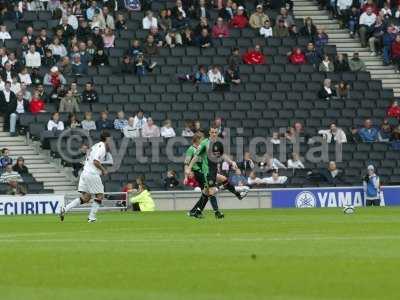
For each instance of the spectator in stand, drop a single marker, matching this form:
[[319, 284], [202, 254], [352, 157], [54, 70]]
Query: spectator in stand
[[220, 29], [204, 40], [108, 38], [237, 179], [333, 135], [297, 57], [309, 30], [387, 40], [165, 22], [173, 39], [266, 30], [107, 18], [202, 25], [120, 122], [150, 47], [285, 17], [187, 131], [326, 65], [369, 4], [228, 10], [48, 60], [321, 39], [180, 22], [167, 131], [9, 175], [372, 188], [353, 20], [254, 56], [8, 104], [149, 20], [127, 66], [386, 131], [367, 20], [247, 165], [235, 60], [32, 58], [341, 64], [78, 68], [280, 30], [120, 23], [20, 166], [295, 162], [395, 53], [170, 182], [187, 37], [215, 76], [21, 108], [200, 10], [142, 67], [275, 139], [356, 64], [332, 174], [55, 124], [54, 78], [274, 179], [36, 105], [258, 18], [5, 158], [239, 20], [232, 75], [327, 93], [87, 123], [4, 34], [150, 130], [131, 131], [179, 9], [312, 56], [104, 122], [89, 95], [190, 181], [376, 39], [64, 65], [270, 163], [343, 90], [394, 110], [15, 85], [100, 58], [368, 133], [25, 77], [140, 120], [73, 121], [69, 103], [201, 76]]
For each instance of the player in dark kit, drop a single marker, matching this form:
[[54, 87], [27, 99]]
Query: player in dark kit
[[197, 170], [211, 153]]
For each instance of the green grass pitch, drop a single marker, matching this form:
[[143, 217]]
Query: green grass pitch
[[251, 254]]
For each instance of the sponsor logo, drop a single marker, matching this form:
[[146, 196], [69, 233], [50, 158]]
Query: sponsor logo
[[305, 200]]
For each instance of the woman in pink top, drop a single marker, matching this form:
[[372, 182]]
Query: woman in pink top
[[220, 29], [108, 38]]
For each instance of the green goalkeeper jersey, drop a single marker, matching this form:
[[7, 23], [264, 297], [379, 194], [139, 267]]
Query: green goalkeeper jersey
[[202, 155]]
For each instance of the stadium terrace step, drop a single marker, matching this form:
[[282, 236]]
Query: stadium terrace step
[[345, 44]]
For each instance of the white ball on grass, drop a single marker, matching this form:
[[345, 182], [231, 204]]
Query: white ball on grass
[[349, 209]]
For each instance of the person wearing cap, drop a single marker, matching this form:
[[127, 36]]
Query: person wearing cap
[[258, 18], [239, 20], [54, 78], [372, 187]]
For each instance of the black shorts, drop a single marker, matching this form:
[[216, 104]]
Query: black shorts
[[374, 202], [206, 181]]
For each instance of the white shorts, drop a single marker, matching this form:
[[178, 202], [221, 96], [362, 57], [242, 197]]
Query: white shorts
[[90, 183]]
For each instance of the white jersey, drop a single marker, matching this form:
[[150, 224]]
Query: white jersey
[[97, 152]]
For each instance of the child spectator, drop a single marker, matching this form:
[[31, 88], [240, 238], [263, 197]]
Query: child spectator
[[55, 124], [170, 182], [239, 20], [120, 122], [150, 130], [266, 30], [394, 110], [220, 29], [190, 181], [295, 162], [297, 57], [36, 105], [88, 123], [254, 56], [167, 131]]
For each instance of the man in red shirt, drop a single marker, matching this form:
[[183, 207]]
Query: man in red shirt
[[239, 20], [396, 52], [254, 56], [297, 57]]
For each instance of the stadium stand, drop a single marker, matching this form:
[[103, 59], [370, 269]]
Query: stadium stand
[[270, 97]]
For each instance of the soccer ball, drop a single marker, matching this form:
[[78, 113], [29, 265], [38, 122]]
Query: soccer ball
[[349, 209]]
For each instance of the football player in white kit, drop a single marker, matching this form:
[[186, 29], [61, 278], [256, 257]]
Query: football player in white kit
[[90, 180]]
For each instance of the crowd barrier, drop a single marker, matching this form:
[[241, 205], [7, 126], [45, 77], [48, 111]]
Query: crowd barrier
[[184, 200]]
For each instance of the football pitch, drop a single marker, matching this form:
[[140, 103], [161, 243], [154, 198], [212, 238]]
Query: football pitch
[[251, 254]]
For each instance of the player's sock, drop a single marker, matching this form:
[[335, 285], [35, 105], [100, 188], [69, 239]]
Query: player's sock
[[203, 201], [214, 202], [72, 204], [198, 203], [93, 210], [231, 188]]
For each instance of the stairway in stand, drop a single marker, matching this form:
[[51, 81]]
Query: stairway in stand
[[345, 44], [39, 165]]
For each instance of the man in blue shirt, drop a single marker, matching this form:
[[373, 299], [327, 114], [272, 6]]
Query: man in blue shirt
[[368, 133]]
